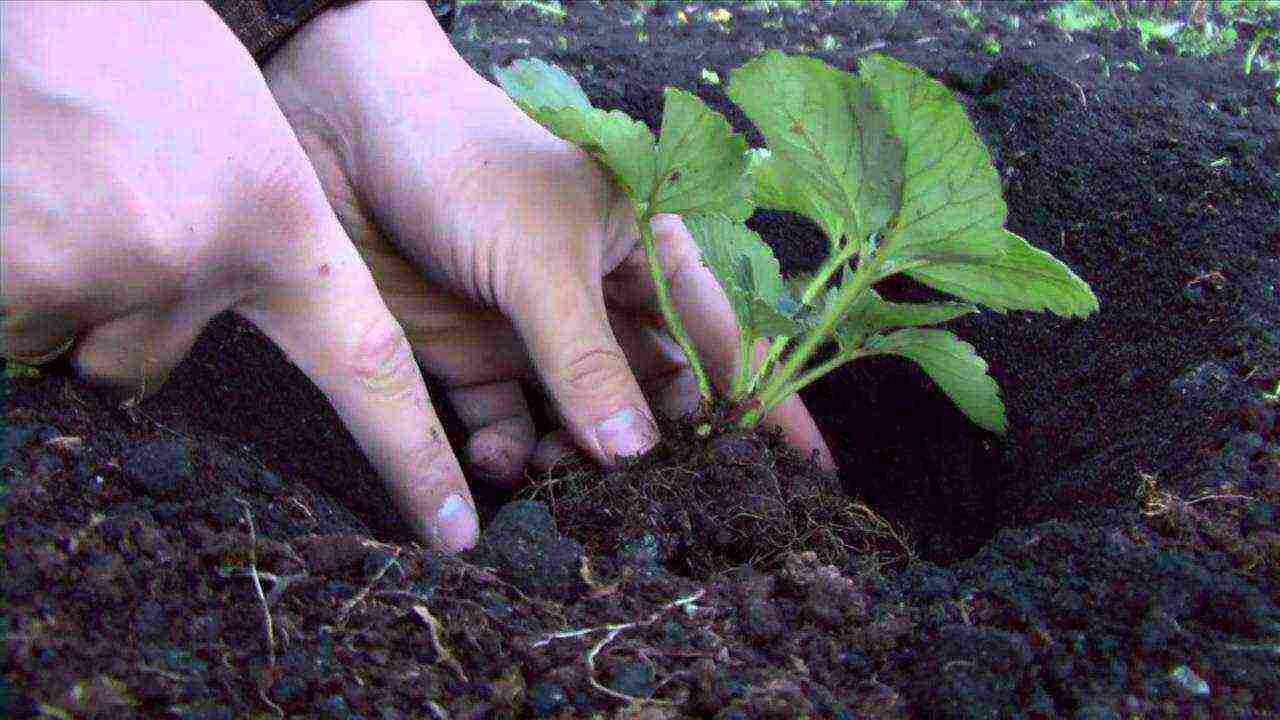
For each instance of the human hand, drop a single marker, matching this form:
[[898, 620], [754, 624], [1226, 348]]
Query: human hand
[[501, 249], [148, 181]]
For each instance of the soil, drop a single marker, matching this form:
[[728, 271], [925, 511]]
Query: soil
[[224, 550]]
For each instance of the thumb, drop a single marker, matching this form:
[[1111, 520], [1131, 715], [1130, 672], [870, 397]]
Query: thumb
[[575, 353]]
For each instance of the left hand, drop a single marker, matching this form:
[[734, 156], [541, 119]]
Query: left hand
[[502, 250]]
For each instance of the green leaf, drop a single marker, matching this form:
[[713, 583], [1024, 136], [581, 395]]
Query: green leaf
[[702, 163], [954, 366], [951, 204], [832, 156], [798, 283], [747, 271], [1025, 278], [768, 187], [540, 84], [874, 313], [555, 100], [871, 314], [773, 320]]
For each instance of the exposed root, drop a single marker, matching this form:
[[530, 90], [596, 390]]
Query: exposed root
[[279, 583], [598, 589], [262, 695], [591, 670], [612, 631], [83, 531], [443, 654], [1202, 498], [257, 585], [1156, 502], [364, 592]]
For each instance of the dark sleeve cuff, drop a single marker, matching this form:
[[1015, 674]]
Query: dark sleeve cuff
[[262, 25]]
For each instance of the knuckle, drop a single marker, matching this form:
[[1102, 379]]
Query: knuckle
[[282, 190], [432, 456], [595, 372], [149, 224], [680, 261], [380, 358]]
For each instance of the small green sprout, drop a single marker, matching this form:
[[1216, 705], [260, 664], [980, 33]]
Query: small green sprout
[[885, 162], [710, 77], [1273, 396], [14, 370]]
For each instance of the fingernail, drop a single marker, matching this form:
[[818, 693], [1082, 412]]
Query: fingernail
[[625, 433], [456, 525]]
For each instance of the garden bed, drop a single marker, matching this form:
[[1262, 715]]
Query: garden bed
[[1117, 552]]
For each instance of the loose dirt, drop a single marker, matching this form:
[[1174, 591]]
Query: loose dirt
[[224, 550]]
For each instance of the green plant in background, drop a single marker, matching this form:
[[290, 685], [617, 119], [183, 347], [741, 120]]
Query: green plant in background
[[991, 46], [888, 7], [1250, 53], [1152, 28], [1205, 39], [885, 162], [768, 6], [966, 15], [14, 370], [1082, 15], [546, 8]]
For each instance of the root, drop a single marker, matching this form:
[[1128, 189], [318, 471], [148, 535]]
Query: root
[[1155, 502], [257, 585], [443, 654], [364, 592], [612, 631]]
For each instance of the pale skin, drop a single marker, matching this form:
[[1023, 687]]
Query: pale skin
[[370, 203]]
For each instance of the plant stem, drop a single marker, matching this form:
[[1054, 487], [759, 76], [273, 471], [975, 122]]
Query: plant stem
[[829, 267], [810, 376], [674, 325], [776, 390], [746, 356]]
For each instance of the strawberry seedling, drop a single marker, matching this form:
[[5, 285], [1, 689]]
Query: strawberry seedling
[[885, 162]]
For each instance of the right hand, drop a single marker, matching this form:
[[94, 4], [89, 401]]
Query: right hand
[[148, 181]]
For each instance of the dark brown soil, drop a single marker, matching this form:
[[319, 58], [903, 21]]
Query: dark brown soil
[[1117, 555]]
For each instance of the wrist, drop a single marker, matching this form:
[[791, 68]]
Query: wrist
[[359, 66]]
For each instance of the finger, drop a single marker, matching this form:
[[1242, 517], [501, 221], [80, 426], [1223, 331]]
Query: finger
[[552, 451], [708, 318], [566, 329], [457, 341], [659, 364], [333, 325], [133, 356], [801, 432], [500, 429], [35, 338], [471, 349]]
